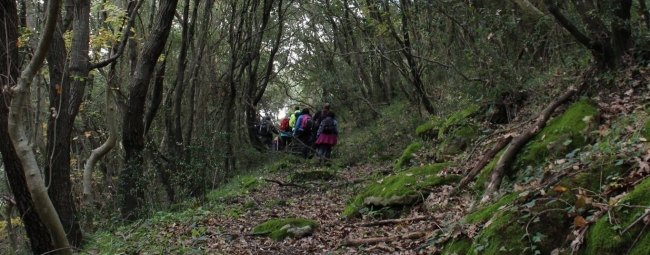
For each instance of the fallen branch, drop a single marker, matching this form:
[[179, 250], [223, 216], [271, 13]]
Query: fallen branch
[[374, 240], [481, 164], [286, 184], [391, 221], [521, 140]]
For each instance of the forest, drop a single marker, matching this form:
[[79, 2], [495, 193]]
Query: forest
[[463, 127]]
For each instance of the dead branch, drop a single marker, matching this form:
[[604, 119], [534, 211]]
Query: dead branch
[[521, 140], [374, 240], [481, 164], [286, 184], [391, 221]]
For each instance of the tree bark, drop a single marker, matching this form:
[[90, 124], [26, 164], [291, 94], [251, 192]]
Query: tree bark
[[519, 143], [37, 232], [130, 188], [530, 9], [35, 183]]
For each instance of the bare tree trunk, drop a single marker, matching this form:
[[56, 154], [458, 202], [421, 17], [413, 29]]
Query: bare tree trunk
[[130, 188], [39, 237], [35, 183]]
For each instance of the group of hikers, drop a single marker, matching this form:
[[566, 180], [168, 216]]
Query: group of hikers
[[302, 132]]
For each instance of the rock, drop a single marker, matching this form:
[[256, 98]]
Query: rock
[[300, 232]]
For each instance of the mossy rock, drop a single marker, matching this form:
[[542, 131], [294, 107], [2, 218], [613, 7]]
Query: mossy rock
[[457, 118], [407, 156], [562, 135], [487, 212], [458, 141], [313, 175], [402, 186], [531, 226], [604, 238], [457, 247], [430, 129], [278, 229]]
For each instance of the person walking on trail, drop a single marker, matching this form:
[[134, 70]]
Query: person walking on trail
[[285, 133], [318, 117], [265, 130], [294, 116], [328, 132], [303, 131]]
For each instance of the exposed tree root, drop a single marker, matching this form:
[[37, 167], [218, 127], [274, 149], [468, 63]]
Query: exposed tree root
[[286, 184], [391, 221], [521, 140], [481, 164], [374, 240]]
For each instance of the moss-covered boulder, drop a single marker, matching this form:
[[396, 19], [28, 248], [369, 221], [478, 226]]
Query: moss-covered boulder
[[605, 238], [458, 141], [407, 156], [279, 229], [457, 119], [404, 188], [520, 223], [562, 135], [430, 129]]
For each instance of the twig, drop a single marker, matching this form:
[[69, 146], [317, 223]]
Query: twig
[[286, 184], [637, 238], [636, 221], [391, 221]]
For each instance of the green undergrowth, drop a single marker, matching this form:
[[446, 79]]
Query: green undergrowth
[[459, 140], [561, 135], [457, 247], [407, 156], [153, 235], [276, 229], [376, 140], [605, 238], [406, 183]]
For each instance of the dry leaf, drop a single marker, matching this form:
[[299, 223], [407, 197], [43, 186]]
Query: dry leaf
[[560, 189], [579, 221]]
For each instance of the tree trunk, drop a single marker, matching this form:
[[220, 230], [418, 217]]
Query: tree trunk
[[131, 188], [37, 232], [37, 189]]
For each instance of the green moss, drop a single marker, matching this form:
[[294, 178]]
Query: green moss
[[275, 228], [457, 247], [279, 166], [503, 237], [458, 118], [604, 238], [407, 155], [458, 141], [429, 129], [403, 184], [561, 135], [485, 175], [487, 212]]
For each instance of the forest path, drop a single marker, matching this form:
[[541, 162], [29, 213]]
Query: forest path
[[228, 233]]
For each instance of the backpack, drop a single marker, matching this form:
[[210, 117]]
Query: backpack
[[307, 124], [265, 130], [328, 126], [284, 125]]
